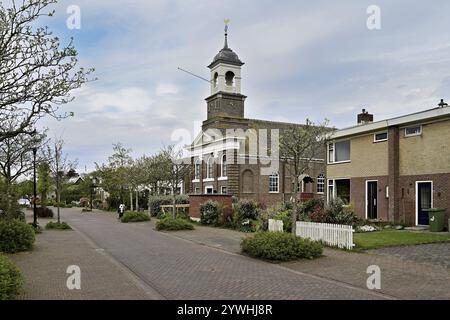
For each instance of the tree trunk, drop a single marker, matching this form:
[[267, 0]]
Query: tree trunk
[[137, 201], [294, 207], [131, 200], [174, 205]]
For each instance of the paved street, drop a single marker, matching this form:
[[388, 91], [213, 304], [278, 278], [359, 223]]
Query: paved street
[[180, 269]]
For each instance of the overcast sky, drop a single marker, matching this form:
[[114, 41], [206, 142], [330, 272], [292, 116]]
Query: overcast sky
[[303, 59]]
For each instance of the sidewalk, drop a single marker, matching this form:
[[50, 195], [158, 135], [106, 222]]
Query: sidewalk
[[44, 270], [401, 278]]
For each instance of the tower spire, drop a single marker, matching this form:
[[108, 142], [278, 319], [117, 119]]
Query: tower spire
[[227, 21]]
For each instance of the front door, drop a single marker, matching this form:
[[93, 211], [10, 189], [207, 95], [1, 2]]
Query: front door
[[424, 199], [372, 201]]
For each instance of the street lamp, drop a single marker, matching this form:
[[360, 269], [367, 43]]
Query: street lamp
[[93, 186], [34, 189]]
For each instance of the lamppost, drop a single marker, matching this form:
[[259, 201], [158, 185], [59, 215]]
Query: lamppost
[[93, 186], [34, 188]]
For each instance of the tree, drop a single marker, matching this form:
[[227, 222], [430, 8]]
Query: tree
[[37, 75], [44, 182], [59, 166], [16, 159], [299, 147], [115, 175], [175, 169]]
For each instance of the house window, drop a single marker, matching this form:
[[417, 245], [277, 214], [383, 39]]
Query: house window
[[343, 190], [274, 180], [339, 151], [197, 190], [197, 169], [209, 168], [223, 190], [223, 171], [209, 190], [413, 131], [321, 183], [379, 137]]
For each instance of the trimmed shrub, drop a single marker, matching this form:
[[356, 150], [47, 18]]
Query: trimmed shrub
[[171, 224], [15, 236], [135, 217], [44, 212], [280, 246], [334, 212], [211, 213], [57, 226], [286, 217], [246, 213], [10, 279], [155, 202], [276, 212]]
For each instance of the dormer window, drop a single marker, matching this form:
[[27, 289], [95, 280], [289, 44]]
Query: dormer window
[[229, 79]]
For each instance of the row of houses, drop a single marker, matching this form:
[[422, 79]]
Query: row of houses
[[390, 170]]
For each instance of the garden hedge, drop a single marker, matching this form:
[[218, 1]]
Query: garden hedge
[[280, 246], [135, 217], [10, 279], [171, 224], [15, 236]]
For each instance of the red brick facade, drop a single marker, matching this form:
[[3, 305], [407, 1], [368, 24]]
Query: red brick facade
[[195, 201]]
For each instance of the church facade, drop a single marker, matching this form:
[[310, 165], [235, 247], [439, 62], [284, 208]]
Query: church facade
[[238, 156]]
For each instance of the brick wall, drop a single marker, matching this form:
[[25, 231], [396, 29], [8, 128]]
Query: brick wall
[[195, 201]]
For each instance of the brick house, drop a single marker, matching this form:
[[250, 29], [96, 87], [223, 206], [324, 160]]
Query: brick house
[[232, 154], [395, 169]]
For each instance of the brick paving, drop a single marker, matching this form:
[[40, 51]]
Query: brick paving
[[181, 269], [411, 272], [45, 269]]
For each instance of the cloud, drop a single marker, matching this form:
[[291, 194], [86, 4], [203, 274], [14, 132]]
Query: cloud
[[303, 60]]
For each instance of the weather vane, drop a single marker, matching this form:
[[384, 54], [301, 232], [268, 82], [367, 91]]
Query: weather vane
[[227, 21]]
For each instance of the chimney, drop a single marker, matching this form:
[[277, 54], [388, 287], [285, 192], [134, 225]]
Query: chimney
[[365, 117]]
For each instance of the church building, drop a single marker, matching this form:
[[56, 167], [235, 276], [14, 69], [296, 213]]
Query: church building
[[237, 156]]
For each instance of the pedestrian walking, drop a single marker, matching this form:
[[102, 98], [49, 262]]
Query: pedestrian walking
[[121, 210]]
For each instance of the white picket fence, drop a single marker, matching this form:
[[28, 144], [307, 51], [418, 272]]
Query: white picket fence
[[275, 225], [336, 235]]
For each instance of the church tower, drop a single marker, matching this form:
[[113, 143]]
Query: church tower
[[226, 99]]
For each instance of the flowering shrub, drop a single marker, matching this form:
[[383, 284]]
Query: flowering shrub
[[366, 228]]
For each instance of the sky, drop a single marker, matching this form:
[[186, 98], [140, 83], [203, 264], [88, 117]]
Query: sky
[[303, 59]]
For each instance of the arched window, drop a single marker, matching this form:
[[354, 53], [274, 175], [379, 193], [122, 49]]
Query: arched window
[[209, 168], [229, 78], [216, 79], [274, 183], [197, 169], [223, 166], [321, 183]]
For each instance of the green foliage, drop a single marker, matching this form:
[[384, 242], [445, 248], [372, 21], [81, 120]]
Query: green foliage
[[172, 224], [281, 246], [10, 279], [277, 212], [44, 212], [57, 226], [135, 217], [155, 202], [15, 236], [335, 212], [44, 182], [211, 213], [245, 217]]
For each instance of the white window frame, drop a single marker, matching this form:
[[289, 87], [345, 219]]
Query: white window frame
[[321, 178], [223, 167], [330, 195], [380, 140], [209, 168], [209, 188], [197, 170], [333, 161], [277, 175], [413, 134]]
